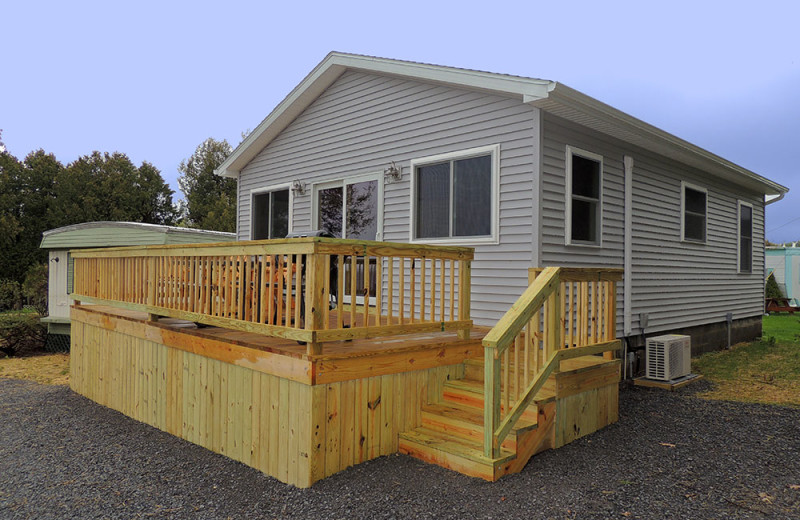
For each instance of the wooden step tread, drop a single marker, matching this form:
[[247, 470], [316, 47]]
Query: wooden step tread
[[476, 387], [466, 449], [470, 414]]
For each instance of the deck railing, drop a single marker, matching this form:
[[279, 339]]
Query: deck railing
[[310, 290], [564, 313]]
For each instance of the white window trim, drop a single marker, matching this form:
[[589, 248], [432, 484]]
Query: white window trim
[[739, 205], [267, 189], [695, 187], [494, 238], [571, 151], [341, 182]]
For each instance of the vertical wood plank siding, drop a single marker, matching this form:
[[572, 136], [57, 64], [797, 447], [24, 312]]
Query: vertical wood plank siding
[[678, 284], [295, 432], [364, 121]]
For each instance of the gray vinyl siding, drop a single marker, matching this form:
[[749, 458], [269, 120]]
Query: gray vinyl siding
[[363, 122], [678, 284]]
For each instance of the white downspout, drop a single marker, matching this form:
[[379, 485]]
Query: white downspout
[[627, 276]]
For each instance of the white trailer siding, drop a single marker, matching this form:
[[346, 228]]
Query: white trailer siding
[[678, 284], [362, 122]]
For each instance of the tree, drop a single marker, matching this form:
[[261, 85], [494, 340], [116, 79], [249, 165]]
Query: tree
[[210, 199], [27, 208], [104, 186]]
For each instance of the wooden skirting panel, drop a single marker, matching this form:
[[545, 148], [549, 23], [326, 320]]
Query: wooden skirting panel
[[291, 430], [586, 412]]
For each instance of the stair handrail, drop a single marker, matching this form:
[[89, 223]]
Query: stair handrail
[[499, 339]]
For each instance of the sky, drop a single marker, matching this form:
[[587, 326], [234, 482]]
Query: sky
[[154, 79]]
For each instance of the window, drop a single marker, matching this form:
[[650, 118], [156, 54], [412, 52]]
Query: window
[[584, 190], [454, 196], [270, 214], [745, 237], [694, 203], [350, 208]]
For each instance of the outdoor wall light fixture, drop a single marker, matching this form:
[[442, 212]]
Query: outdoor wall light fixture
[[298, 188], [392, 173]]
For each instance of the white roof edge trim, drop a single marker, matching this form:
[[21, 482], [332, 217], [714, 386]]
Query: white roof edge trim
[[336, 63], [136, 225], [568, 96]]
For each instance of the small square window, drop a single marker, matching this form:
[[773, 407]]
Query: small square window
[[584, 197], [694, 203]]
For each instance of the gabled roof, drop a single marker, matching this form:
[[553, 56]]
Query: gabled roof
[[551, 96]]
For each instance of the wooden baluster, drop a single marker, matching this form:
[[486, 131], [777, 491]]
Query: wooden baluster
[[280, 281], [266, 290], [452, 290], [527, 353], [402, 302], [367, 287], [611, 315], [289, 274], [505, 390], [378, 290], [390, 292], [353, 288], [326, 292], [441, 289], [340, 293], [571, 298], [298, 288], [517, 348], [433, 290], [422, 296], [464, 295], [413, 288], [563, 310]]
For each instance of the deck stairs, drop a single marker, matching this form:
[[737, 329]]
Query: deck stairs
[[451, 433]]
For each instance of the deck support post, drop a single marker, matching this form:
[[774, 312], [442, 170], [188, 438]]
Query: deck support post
[[464, 295], [491, 401], [315, 299]]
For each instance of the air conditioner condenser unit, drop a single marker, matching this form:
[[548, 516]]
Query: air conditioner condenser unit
[[669, 357]]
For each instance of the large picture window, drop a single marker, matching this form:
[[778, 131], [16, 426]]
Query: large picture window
[[584, 189], [694, 207], [270, 214], [745, 237], [454, 196]]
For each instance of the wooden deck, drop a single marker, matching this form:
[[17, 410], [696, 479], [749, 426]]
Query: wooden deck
[[317, 354]]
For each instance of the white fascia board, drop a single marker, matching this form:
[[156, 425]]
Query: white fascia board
[[663, 142], [335, 64]]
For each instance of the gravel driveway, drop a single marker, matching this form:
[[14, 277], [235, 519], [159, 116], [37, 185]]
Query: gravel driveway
[[671, 455]]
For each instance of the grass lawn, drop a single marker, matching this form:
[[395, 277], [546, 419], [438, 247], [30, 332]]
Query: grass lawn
[[764, 371], [50, 369]]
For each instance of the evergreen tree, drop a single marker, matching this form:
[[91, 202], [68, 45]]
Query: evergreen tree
[[210, 199]]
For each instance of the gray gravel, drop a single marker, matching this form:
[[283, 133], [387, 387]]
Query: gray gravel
[[672, 455]]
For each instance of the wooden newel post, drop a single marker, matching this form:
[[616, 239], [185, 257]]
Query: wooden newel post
[[464, 295], [315, 299], [491, 406]]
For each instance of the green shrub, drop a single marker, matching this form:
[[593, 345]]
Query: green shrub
[[21, 333], [10, 295]]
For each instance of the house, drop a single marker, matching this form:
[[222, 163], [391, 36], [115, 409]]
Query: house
[[784, 262], [101, 234], [529, 172], [498, 236]]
